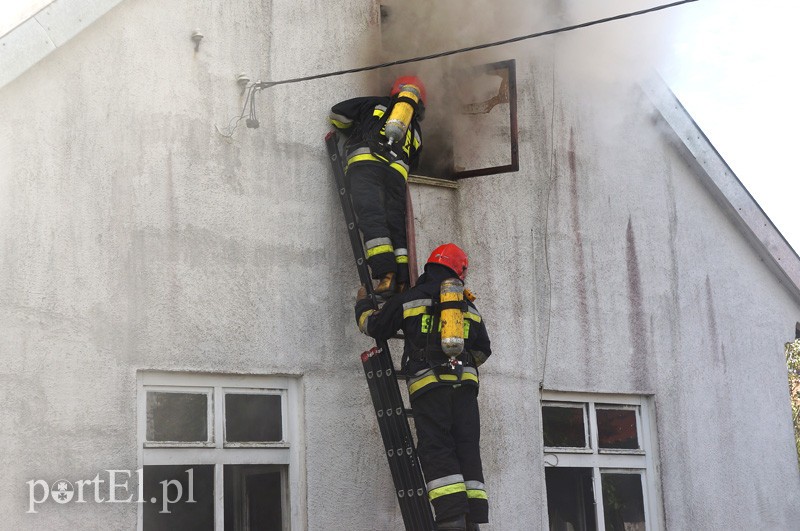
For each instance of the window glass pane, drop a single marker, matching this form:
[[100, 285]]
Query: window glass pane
[[570, 503], [564, 426], [178, 497], [253, 418], [623, 502], [180, 417], [254, 497], [616, 428]]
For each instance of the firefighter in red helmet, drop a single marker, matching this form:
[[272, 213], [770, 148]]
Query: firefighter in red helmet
[[383, 144], [443, 387]]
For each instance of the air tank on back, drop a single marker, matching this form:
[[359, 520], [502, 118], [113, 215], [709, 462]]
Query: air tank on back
[[451, 297], [401, 114]]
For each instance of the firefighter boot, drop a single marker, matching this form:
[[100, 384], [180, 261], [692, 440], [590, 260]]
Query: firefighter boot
[[457, 523], [385, 287]]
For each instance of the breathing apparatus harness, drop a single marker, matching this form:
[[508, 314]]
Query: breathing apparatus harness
[[446, 318], [388, 134]]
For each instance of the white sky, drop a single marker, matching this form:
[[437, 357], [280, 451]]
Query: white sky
[[730, 63], [14, 11], [732, 69]]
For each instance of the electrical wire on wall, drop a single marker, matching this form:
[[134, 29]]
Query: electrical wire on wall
[[550, 182], [252, 121]]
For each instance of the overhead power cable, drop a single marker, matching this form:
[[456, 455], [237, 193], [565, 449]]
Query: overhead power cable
[[252, 121], [267, 84]]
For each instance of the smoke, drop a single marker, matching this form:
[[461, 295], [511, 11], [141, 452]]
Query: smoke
[[420, 27], [417, 27], [623, 49], [617, 51], [594, 63]]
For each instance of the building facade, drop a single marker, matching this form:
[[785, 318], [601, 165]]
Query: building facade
[[165, 278]]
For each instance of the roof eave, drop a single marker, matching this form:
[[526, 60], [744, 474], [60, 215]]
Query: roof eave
[[726, 188], [37, 37]]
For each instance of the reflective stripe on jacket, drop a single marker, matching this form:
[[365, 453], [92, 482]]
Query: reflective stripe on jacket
[[362, 119], [411, 311]]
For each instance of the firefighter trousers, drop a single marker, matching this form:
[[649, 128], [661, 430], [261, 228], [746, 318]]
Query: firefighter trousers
[[378, 194], [448, 443]]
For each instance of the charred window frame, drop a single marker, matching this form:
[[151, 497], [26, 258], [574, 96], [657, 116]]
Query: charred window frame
[[473, 131], [507, 94], [447, 115], [600, 461]]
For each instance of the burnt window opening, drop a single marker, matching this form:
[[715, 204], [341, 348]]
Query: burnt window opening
[[484, 128], [473, 130], [470, 125]]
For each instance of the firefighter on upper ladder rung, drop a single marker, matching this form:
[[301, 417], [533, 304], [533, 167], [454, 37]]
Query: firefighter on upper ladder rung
[[383, 146]]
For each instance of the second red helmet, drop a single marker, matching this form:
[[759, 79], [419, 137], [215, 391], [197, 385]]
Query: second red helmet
[[409, 80], [452, 256]]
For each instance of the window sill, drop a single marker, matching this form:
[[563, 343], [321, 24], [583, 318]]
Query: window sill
[[277, 444], [433, 181], [172, 444], [567, 450], [615, 451]]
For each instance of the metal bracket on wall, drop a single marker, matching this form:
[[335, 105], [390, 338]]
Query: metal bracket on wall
[[196, 38]]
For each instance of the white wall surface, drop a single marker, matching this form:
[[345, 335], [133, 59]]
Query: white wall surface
[[134, 236]]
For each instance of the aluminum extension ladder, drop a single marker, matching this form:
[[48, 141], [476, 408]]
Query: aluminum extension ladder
[[390, 410]]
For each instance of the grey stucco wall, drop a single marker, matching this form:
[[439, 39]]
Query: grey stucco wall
[[134, 236], [624, 276]]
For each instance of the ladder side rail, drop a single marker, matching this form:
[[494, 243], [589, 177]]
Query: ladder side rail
[[370, 370], [409, 446], [399, 424], [416, 490]]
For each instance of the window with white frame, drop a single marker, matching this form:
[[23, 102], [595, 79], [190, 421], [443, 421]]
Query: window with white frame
[[219, 452], [599, 454]]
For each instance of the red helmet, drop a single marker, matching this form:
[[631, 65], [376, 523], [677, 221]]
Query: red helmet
[[451, 256], [409, 80]]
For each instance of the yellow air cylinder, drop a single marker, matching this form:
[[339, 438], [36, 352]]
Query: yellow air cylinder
[[400, 117], [452, 318]]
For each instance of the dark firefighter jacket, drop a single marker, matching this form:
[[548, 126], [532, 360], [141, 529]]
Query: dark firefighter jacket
[[363, 120], [412, 311]]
